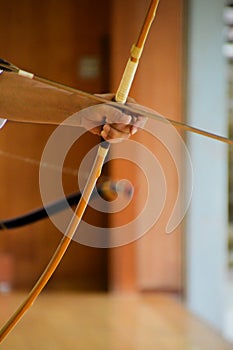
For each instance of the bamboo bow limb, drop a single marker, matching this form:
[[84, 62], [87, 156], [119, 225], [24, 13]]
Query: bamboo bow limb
[[61, 249], [136, 51], [121, 97]]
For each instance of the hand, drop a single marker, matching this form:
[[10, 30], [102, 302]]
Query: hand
[[111, 123]]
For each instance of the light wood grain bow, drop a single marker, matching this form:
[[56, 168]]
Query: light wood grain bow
[[121, 97]]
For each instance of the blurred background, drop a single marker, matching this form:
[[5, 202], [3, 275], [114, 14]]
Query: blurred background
[[185, 74]]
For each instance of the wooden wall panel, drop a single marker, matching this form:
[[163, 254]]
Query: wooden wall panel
[[158, 84], [48, 37]]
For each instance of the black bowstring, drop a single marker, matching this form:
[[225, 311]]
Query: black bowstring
[[41, 213], [106, 190]]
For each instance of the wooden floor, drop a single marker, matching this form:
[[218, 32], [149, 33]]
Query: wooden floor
[[106, 322]]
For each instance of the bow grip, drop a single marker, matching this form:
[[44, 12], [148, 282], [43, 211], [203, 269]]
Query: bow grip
[[128, 75]]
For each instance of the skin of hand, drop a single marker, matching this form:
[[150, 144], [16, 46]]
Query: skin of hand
[[111, 123]]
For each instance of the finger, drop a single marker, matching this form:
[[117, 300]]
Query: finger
[[139, 122], [96, 130], [124, 128], [133, 130], [111, 134], [117, 117]]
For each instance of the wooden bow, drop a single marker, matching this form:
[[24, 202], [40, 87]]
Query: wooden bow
[[121, 97]]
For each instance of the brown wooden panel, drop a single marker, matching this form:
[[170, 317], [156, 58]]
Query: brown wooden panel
[[158, 84], [49, 37]]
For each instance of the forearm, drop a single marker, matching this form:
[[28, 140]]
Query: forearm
[[28, 100], [31, 101]]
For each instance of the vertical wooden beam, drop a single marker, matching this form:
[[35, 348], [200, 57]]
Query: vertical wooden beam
[[157, 258]]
